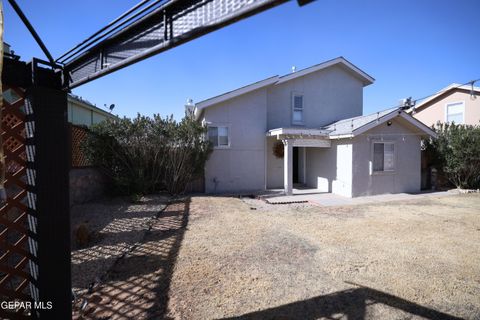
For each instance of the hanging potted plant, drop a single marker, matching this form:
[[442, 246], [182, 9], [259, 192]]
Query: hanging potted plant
[[278, 149]]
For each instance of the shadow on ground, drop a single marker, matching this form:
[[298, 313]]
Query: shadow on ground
[[348, 304], [137, 285]]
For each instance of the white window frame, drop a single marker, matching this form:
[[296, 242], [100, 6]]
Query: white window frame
[[372, 156], [218, 146], [463, 110], [298, 94]]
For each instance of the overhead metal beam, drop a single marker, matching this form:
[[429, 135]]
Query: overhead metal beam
[[173, 23]]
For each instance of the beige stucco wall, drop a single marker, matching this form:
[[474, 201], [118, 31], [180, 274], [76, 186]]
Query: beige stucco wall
[[405, 178], [329, 95], [330, 169], [436, 112], [241, 167]]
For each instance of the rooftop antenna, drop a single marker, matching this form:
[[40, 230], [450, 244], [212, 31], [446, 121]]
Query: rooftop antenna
[[406, 103]]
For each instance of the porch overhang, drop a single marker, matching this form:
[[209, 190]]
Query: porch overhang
[[300, 137]]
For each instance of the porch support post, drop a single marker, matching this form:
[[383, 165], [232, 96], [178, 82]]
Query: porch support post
[[287, 166]]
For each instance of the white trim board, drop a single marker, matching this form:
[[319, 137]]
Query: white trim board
[[317, 143]]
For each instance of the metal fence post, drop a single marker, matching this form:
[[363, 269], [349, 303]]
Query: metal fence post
[[49, 104]]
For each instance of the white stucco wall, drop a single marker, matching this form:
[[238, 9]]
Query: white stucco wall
[[78, 114], [241, 167], [329, 95], [405, 178], [330, 169]]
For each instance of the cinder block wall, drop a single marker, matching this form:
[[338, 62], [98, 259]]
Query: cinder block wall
[[86, 184]]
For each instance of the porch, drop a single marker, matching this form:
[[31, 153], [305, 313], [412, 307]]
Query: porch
[[286, 159]]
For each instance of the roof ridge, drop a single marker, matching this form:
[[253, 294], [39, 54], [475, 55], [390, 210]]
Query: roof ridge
[[367, 79]]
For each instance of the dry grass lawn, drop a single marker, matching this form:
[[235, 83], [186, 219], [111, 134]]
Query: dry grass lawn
[[242, 258]]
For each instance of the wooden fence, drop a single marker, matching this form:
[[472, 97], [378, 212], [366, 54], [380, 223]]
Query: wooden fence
[[78, 135], [18, 238]]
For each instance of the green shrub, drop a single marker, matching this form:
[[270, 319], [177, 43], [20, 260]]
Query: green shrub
[[456, 154], [144, 155]]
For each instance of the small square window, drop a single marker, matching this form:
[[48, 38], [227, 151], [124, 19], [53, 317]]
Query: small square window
[[383, 156], [218, 136], [455, 112]]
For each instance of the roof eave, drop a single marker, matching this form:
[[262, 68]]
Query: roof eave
[[235, 93], [417, 123], [366, 78]]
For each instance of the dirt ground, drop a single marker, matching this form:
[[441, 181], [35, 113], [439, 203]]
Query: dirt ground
[[114, 226], [244, 259]]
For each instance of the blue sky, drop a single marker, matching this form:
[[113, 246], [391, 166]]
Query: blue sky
[[412, 48]]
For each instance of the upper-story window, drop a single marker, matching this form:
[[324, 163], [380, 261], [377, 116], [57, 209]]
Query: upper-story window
[[455, 112], [219, 136], [297, 108]]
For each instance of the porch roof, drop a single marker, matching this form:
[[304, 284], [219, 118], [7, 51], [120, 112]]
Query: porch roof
[[354, 126], [298, 132]]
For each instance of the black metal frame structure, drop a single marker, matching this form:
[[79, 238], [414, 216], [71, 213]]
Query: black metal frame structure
[[171, 24]]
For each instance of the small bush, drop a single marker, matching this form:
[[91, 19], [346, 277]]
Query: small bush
[[456, 154], [145, 155]]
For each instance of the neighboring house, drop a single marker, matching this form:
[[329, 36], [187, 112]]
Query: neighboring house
[[455, 103], [315, 114], [82, 112]]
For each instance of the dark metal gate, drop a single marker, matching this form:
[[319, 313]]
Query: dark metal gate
[[35, 221]]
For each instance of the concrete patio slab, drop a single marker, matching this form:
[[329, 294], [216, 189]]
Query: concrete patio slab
[[329, 199]]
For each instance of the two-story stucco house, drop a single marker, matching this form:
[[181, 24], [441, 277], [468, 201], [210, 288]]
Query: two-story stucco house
[[455, 103], [315, 117]]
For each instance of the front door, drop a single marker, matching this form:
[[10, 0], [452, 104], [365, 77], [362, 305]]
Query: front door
[[295, 165]]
